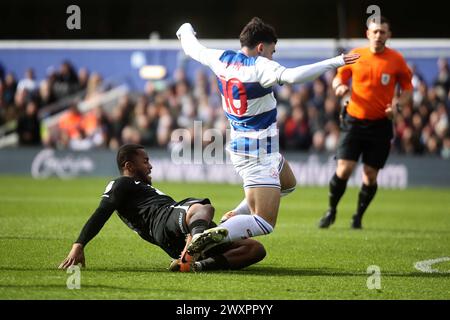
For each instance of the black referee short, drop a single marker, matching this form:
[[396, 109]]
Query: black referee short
[[171, 236], [369, 138]]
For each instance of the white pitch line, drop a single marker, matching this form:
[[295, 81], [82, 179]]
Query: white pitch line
[[426, 265]]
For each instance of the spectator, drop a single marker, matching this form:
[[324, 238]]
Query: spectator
[[150, 91], [46, 96], [20, 101], [307, 115], [130, 135], [200, 85], [331, 112], [94, 86], [442, 81], [83, 78], [445, 152], [318, 142], [70, 123], [315, 118], [296, 130], [433, 145], [332, 137], [318, 94], [65, 81], [164, 126], [29, 83], [9, 89], [28, 126]]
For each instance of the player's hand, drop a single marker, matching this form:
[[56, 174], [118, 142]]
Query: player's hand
[[391, 111], [227, 216], [350, 58], [341, 90], [185, 27], [76, 256]]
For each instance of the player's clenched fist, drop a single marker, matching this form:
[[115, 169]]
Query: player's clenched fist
[[185, 27], [341, 90]]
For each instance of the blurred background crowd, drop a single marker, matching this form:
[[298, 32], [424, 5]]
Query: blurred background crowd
[[308, 115]]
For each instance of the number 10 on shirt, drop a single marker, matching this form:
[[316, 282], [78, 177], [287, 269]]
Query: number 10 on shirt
[[228, 91]]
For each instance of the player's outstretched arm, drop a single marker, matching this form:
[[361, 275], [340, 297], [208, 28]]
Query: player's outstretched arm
[[312, 71], [193, 48], [75, 256], [89, 231]]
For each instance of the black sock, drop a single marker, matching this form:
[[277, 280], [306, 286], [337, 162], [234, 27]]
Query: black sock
[[198, 226], [337, 189], [218, 262], [366, 195], [212, 224]]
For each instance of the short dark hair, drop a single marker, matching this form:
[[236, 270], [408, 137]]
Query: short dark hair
[[382, 20], [255, 32], [127, 153]]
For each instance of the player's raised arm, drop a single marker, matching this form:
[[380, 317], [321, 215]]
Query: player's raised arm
[[89, 231], [312, 71], [193, 48]]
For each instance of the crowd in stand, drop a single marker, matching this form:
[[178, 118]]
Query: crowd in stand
[[308, 115]]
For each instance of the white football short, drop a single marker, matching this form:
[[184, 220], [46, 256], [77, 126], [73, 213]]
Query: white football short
[[259, 171]]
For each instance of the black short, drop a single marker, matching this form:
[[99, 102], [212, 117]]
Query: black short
[[369, 138], [171, 236]]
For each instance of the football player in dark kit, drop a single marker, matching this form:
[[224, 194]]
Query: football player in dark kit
[[160, 220]]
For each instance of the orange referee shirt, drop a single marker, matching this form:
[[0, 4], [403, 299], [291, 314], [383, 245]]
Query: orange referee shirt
[[374, 77]]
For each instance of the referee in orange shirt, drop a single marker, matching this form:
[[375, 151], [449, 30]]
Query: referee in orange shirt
[[366, 124]]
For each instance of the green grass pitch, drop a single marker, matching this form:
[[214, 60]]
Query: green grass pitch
[[39, 220]]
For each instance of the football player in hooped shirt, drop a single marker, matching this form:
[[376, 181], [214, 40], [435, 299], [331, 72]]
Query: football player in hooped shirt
[[245, 79], [160, 220]]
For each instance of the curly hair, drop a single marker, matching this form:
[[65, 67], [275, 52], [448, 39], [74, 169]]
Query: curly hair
[[127, 152], [255, 32]]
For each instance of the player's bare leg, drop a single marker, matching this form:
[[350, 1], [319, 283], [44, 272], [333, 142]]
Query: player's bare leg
[[345, 168], [288, 183], [287, 179], [264, 202], [237, 255], [337, 186], [366, 194], [198, 218], [369, 176]]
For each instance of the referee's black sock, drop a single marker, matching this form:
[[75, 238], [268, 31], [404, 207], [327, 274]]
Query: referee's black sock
[[198, 226], [366, 195], [337, 189], [218, 262]]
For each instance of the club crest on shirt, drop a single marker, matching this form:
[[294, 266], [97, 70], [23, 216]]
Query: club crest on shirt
[[385, 78], [274, 172]]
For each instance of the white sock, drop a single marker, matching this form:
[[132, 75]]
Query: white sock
[[242, 208], [246, 226]]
